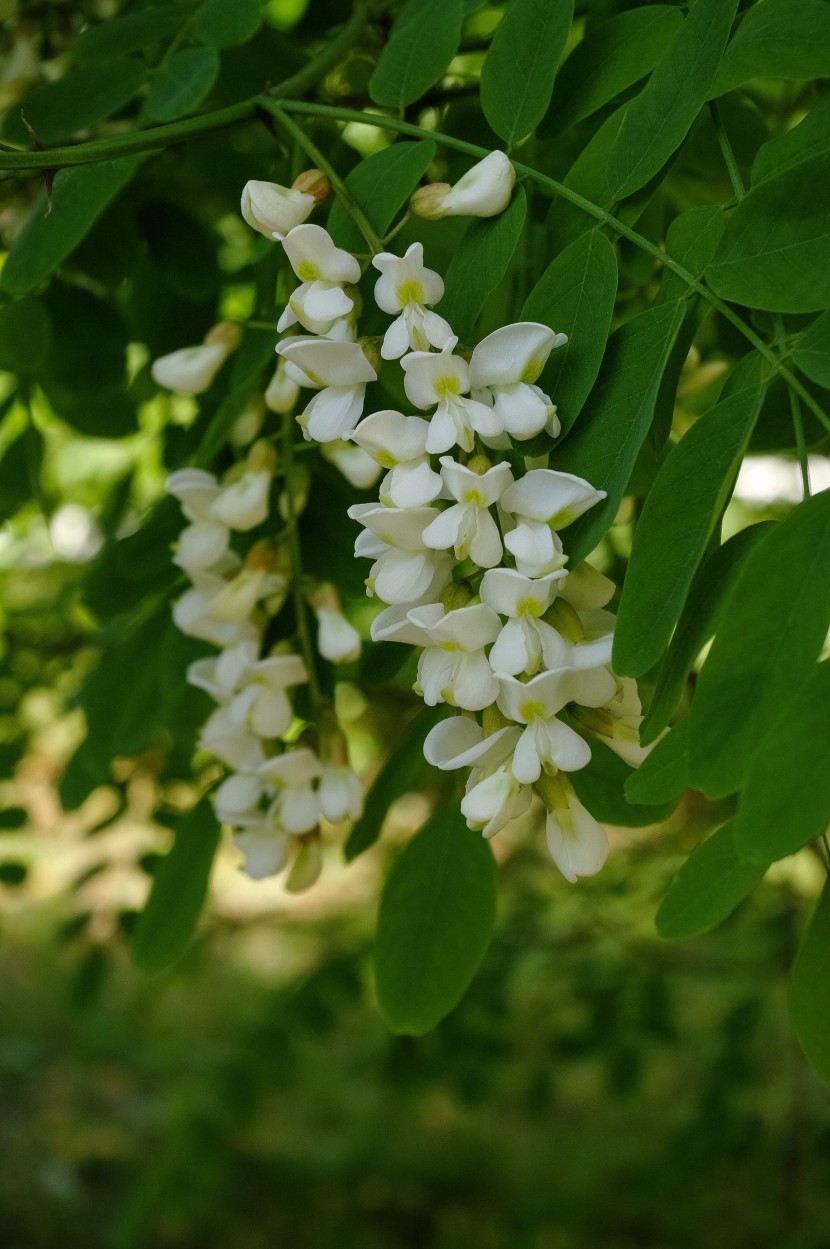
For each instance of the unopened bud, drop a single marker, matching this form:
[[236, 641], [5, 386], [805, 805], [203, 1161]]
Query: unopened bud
[[371, 350], [295, 495], [307, 865], [479, 464], [429, 201], [565, 620], [262, 458], [262, 556], [273, 209], [226, 335], [313, 182], [456, 595], [283, 392], [492, 720], [484, 191], [248, 424]]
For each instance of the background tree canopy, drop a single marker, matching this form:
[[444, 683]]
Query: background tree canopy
[[627, 1061]]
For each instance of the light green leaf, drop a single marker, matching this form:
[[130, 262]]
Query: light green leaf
[[79, 197], [176, 899], [604, 444], [436, 917], [660, 117], [381, 184], [775, 252], [25, 335], [810, 991], [600, 787], [785, 801], [811, 137], [520, 66], [773, 628], [708, 887], [777, 39], [479, 264], [678, 519], [699, 622], [424, 39], [575, 296], [226, 23], [128, 32], [663, 776], [84, 95], [812, 351], [612, 57], [692, 240], [181, 83]]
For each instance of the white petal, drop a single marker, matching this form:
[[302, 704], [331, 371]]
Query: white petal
[[514, 353], [578, 845]]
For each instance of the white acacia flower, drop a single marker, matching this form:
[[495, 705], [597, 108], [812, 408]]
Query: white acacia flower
[[406, 287], [205, 540], [359, 469], [578, 845], [231, 742], [526, 639], [546, 743], [617, 722], [221, 675], [339, 371], [453, 667], [337, 639], [282, 392], [238, 798], [292, 776], [468, 527], [492, 802], [243, 504], [340, 793], [264, 849], [191, 370], [504, 367], [193, 613], [404, 568], [253, 689], [543, 502], [323, 269], [494, 796], [483, 191], [398, 443], [273, 209], [444, 379]]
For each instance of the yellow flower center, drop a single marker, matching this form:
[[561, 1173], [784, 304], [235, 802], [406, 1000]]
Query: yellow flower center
[[308, 271], [410, 292], [532, 710], [529, 607], [447, 385]]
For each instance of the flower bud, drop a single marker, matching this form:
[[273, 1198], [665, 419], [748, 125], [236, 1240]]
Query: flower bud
[[484, 191], [455, 595], [295, 495], [272, 209], [479, 464], [337, 640], [248, 424], [429, 201], [313, 182], [189, 371], [283, 392], [307, 865]]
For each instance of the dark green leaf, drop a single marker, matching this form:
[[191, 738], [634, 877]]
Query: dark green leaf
[[226, 23], [401, 772], [612, 57], [181, 249], [775, 251], [663, 776], [25, 334], [424, 40], [660, 117], [777, 39], [700, 620], [436, 916], [600, 787], [575, 296], [604, 444], [381, 184], [785, 801], [79, 197], [179, 888], [812, 351], [678, 519], [772, 630], [519, 69], [479, 264], [181, 83], [20, 465], [692, 240], [82, 97], [811, 137], [810, 991], [129, 32], [708, 887]]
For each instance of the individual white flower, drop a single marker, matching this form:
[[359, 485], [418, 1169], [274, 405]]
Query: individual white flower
[[292, 776], [504, 367], [468, 527], [273, 209], [264, 849], [543, 502], [444, 379], [193, 614], [404, 568], [337, 639], [492, 802], [231, 742], [578, 845], [493, 796], [406, 287], [243, 504], [398, 443], [453, 667], [282, 392], [617, 722], [340, 793], [261, 701], [359, 469], [340, 372], [483, 191], [191, 370], [238, 797], [323, 269], [221, 675], [546, 743], [526, 639], [205, 540]]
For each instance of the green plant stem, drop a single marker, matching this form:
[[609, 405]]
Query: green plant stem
[[727, 152], [293, 536], [797, 416], [310, 148]]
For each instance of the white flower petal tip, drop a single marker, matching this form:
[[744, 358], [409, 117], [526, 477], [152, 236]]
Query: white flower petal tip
[[577, 844]]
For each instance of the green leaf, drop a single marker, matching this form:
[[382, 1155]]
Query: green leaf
[[437, 913], [180, 84], [84, 95], [612, 57], [182, 250], [678, 519], [401, 772], [663, 776], [708, 887], [604, 445], [179, 889], [692, 240], [575, 295], [226, 23], [773, 628], [811, 137], [699, 622], [79, 197], [25, 335], [520, 66], [660, 117], [785, 802], [424, 39], [810, 991], [777, 39], [128, 32], [381, 184], [479, 264], [775, 251], [812, 351], [600, 787]]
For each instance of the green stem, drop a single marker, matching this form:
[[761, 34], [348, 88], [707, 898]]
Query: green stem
[[310, 148], [293, 537], [797, 417], [727, 153]]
